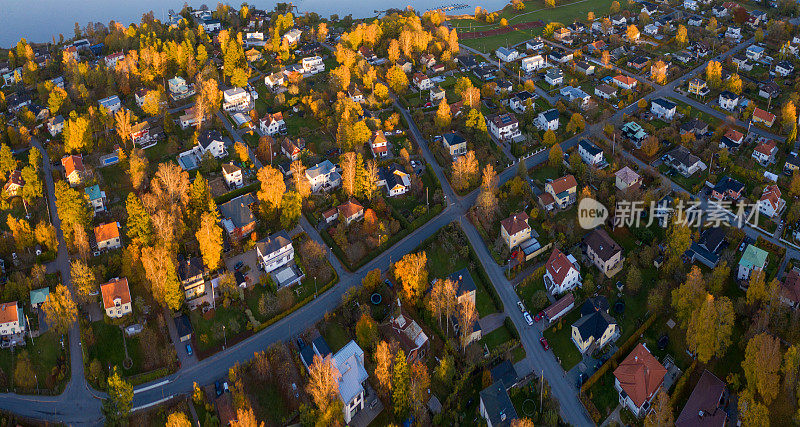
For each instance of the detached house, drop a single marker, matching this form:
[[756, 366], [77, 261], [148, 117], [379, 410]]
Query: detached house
[[74, 170], [554, 76], [455, 144], [495, 405], [789, 289], [107, 236], [411, 337], [698, 87], [520, 101], [96, 198], [237, 217], [562, 273], [394, 179], [292, 149], [422, 82], [55, 125], [663, 109], [727, 188], [190, 273], [595, 328], [728, 100], [275, 251], [591, 154], [764, 117], [683, 161], [503, 127], [605, 91], [707, 404], [638, 379], [563, 190], [603, 252], [770, 203], [116, 298], [547, 120], [210, 141], [731, 140], [379, 144], [625, 82], [12, 319], [753, 259], [533, 63], [236, 100], [627, 179], [709, 247], [507, 55], [784, 68], [14, 183], [515, 229], [232, 175], [323, 176], [765, 152]]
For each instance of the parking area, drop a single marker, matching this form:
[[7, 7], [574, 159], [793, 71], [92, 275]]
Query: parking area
[[248, 266]]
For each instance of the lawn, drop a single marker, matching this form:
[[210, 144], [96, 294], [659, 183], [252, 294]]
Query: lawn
[[496, 338], [209, 332], [335, 335], [44, 353], [109, 349], [560, 340], [270, 404], [603, 394]]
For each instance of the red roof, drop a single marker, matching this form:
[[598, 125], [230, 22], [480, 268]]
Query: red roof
[[73, 163], [764, 116], [515, 223], [9, 312], [117, 288], [105, 232], [628, 81], [790, 287], [734, 135], [640, 375], [766, 148], [558, 266], [563, 184]]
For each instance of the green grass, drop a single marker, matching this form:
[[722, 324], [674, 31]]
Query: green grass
[[496, 338], [110, 350], [204, 328], [270, 404], [335, 335], [603, 394], [561, 340]]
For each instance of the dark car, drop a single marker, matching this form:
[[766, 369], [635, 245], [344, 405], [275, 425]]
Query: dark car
[[544, 343], [218, 388], [238, 265], [388, 283], [189, 349]]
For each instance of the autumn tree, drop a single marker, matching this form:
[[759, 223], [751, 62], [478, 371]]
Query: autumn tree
[[60, 309], [76, 134], [751, 411], [714, 73], [72, 208], [301, 184], [162, 277], [734, 84], [122, 118], [788, 114], [178, 419], [366, 331], [117, 406], [137, 168], [443, 115], [349, 168], [487, 199], [710, 329], [383, 367], [419, 385], [719, 276], [632, 33], [549, 138], [650, 146], [245, 417], [661, 415], [272, 186], [140, 225], [758, 290], [761, 365], [412, 272], [397, 79], [556, 155], [209, 237], [465, 170], [659, 72], [467, 316], [84, 281], [689, 296], [679, 239], [681, 37], [401, 384], [323, 386], [442, 302]]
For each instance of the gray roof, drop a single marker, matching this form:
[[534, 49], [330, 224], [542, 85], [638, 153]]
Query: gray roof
[[667, 105], [499, 408], [505, 372], [274, 243], [208, 137], [323, 168], [189, 267], [453, 138], [594, 324], [464, 280], [589, 146], [238, 210], [550, 115]]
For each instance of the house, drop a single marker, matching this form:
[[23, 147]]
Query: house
[[605, 91], [237, 216], [466, 61], [683, 56], [708, 248], [595, 328], [638, 62], [232, 175], [16, 101], [503, 86], [727, 188], [734, 34], [694, 126], [784, 68], [690, 5], [74, 170], [210, 141], [707, 404], [292, 149], [619, 20], [96, 198], [649, 8], [12, 319], [627, 179], [789, 292], [754, 52], [272, 124], [505, 372], [38, 297], [698, 87], [792, 164], [562, 273], [507, 55], [769, 90], [116, 298], [663, 109], [534, 44], [211, 25], [178, 88], [563, 190], [191, 117], [515, 229], [190, 273], [683, 161], [323, 176], [638, 379], [437, 94], [575, 94], [312, 65], [275, 251], [350, 211], [427, 59], [584, 68], [379, 144], [625, 82], [770, 203], [634, 132], [603, 252], [292, 36], [503, 127], [496, 407], [728, 100], [412, 338], [107, 236], [394, 178], [731, 140], [520, 101], [422, 82], [274, 80], [14, 183], [407, 66], [254, 38], [561, 34], [741, 62], [237, 100], [554, 76], [753, 259], [719, 11], [765, 117], [455, 144], [764, 153], [111, 104], [547, 120], [55, 125], [351, 377], [561, 56], [533, 63], [559, 308], [591, 154], [368, 54]]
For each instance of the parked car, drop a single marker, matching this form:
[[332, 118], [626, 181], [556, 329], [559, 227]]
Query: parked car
[[218, 388], [388, 283], [528, 318], [238, 265], [539, 316], [521, 307], [544, 343], [189, 349]]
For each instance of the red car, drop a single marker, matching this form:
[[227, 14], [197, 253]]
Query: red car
[[538, 316], [544, 343]]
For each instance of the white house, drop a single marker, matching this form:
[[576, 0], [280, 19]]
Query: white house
[[272, 124], [211, 25], [313, 65], [734, 33], [292, 36], [352, 378], [275, 251], [519, 102], [112, 103], [754, 52], [422, 82], [323, 176], [112, 60], [771, 204], [394, 179], [690, 5], [232, 175], [533, 63], [562, 273], [12, 319], [236, 100], [663, 109], [554, 76], [590, 153], [55, 125], [638, 379], [764, 153], [753, 259], [728, 100], [784, 68], [274, 80], [507, 55], [210, 141], [116, 298], [547, 120], [505, 126]]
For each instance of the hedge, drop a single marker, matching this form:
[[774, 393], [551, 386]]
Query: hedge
[[591, 409], [681, 384], [236, 193]]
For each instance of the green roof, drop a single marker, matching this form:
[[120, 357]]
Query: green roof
[[38, 296], [753, 257]]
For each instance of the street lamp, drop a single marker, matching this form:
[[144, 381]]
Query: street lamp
[[315, 287], [224, 337]]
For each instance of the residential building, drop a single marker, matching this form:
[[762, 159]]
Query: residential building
[[521, 101], [708, 248], [191, 117], [595, 328], [771, 204], [663, 109], [190, 272], [116, 298], [292, 149], [638, 379], [178, 88], [535, 44], [764, 117], [625, 82], [792, 164], [274, 80], [591, 154], [707, 405], [562, 273], [427, 59], [107, 236], [412, 338], [323, 176], [533, 63], [496, 407], [754, 52], [698, 87], [437, 94], [694, 126], [313, 65], [547, 120], [784, 68], [350, 211], [237, 217], [422, 82], [563, 190], [753, 259], [272, 124], [727, 188], [210, 141], [559, 308], [379, 144], [728, 100], [634, 132], [603, 252], [507, 55], [734, 34], [515, 229], [96, 198], [211, 25], [764, 153], [731, 140], [561, 56], [769, 90], [627, 179], [605, 91], [454, 143], [575, 94], [38, 297], [352, 379], [554, 76], [232, 175], [74, 170], [690, 5], [111, 104], [789, 292], [504, 127], [237, 100], [12, 319], [14, 183], [584, 68], [396, 181], [55, 125], [292, 36], [275, 251]]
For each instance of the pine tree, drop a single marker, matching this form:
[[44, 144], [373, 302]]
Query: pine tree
[[140, 226]]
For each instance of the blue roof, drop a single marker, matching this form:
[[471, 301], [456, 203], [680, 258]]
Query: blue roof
[[93, 192]]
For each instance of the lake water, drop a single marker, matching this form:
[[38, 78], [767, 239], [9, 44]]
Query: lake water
[[40, 20]]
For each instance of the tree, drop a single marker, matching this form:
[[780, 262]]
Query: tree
[[7, 161], [397, 79], [633, 281], [140, 225], [245, 417], [719, 276], [556, 155], [751, 411], [292, 209], [383, 367], [242, 152], [659, 72], [632, 33], [301, 184], [123, 121], [33, 184], [401, 387], [679, 239], [681, 36], [412, 272], [688, 297], [366, 331], [549, 138], [209, 237], [60, 309], [323, 383], [84, 281], [443, 115], [173, 184], [761, 365], [442, 301], [487, 200], [467, 316], [349, 166], [791, 363], [162, 277], [137, 168], [465, 170], [710, 330], [272, 186], [650, 146], [714, 73], [76, 134], [788, 114], [734, 84], [420, 382], [757, 290], [117, 406], [661, 415], [178, 419], [712, 24], [46, 235]]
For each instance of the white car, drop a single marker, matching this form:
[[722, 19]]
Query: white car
[[528, 318], [521, 307]]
